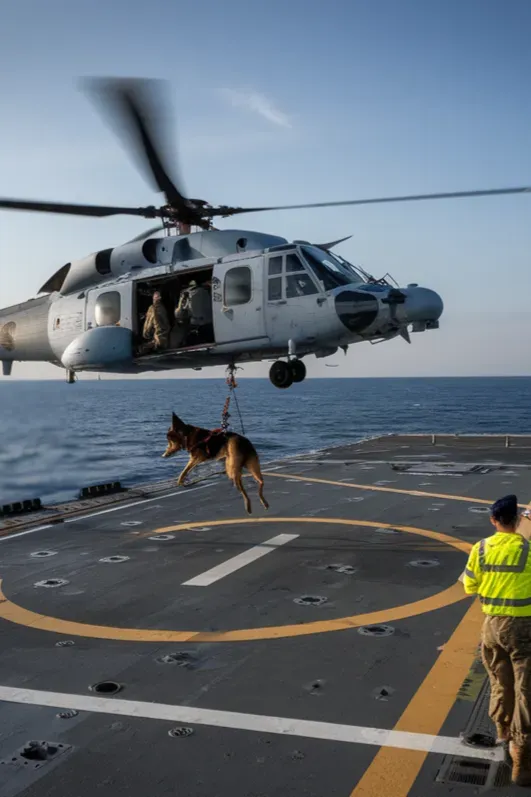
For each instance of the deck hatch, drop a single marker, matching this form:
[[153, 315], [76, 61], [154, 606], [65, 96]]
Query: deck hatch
[[475, 772], [35, 754], [443, 468]]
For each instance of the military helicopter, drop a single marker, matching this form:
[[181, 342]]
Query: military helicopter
[[268, 298]]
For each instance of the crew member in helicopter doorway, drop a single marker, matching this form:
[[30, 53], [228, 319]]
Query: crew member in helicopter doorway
[[194, 312], [156, 326]]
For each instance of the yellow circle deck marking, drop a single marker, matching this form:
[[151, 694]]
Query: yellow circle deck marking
[[17, 614]]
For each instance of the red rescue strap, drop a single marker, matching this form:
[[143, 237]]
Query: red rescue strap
[[225, 414]]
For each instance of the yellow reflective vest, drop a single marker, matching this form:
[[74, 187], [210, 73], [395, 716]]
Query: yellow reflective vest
[[499, 572]]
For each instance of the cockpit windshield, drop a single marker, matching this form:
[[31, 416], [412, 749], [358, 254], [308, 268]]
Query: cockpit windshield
[[330, 269]]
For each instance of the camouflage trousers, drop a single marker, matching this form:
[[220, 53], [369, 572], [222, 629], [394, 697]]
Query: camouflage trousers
[[157, 343], [506, 654]]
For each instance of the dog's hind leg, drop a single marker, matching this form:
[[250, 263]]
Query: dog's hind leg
[[239, 484], [234, 472], [253, 466]]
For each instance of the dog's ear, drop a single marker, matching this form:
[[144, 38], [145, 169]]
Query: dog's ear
[[175, 422]]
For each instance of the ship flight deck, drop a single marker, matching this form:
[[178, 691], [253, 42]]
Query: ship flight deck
[[161, 642]]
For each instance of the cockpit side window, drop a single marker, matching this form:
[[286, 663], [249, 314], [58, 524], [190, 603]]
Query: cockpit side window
[[299, 285], [288, 278], [294, 263], [275, 265], [331, 271]]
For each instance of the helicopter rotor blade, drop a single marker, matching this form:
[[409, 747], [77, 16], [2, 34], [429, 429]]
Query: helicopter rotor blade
[[222, 211], [136, 107], [98, 211]]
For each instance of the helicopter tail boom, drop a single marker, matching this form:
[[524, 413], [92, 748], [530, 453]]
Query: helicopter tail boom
[[24, 332]]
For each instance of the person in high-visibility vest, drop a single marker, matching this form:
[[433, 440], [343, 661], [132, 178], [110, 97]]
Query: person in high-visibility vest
[[499, 572]]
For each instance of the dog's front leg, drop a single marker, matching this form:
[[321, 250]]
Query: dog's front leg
[[191, 464]]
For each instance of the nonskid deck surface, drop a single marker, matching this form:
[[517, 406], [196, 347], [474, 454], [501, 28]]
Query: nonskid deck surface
[[321, 648]]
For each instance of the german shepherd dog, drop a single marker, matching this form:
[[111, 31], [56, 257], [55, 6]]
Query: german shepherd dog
[[203, 445]]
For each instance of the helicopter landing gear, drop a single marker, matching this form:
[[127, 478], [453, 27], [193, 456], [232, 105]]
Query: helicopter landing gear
[[298, 370], [283, 375]]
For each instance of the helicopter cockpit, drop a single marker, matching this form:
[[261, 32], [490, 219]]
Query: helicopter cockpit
[[331, 270]]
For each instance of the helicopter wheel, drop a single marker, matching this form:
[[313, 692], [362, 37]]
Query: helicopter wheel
[[281, 374], [298, 370]]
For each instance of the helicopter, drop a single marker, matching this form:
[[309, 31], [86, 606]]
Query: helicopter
[[267, 298]]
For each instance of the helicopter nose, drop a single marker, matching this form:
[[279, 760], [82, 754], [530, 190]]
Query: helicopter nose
[[422, 306]]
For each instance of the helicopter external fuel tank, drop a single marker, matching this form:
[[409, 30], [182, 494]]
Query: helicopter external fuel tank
[[99, 348]]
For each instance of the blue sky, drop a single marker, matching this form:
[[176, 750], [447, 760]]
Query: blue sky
[[286, 102]]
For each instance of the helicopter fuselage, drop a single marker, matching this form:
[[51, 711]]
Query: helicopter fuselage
[[285, 300]]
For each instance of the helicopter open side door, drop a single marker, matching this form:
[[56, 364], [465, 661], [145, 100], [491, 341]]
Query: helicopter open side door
[[238, 303]]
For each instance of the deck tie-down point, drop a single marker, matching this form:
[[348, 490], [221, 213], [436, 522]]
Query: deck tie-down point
[[479, 739], [181, 659], [347, 570], [106, 688], [67, 715], [310, 600], [114, 559], [376, 630], [175, 733], [52, 582]]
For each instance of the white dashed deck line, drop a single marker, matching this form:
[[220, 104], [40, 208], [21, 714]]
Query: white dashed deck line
[[239, 561]]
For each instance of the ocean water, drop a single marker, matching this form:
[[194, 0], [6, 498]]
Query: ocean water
[[56, 438]]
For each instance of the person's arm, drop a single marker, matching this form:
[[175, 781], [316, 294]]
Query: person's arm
[[471, 576], [524, 526], [148, 324]]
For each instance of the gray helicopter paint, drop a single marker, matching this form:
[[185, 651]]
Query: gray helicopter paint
[[148, 252], [421, 305], [306, 320], [24, 331], [243, 324], [56, 328], [220, 243], [65, 322]]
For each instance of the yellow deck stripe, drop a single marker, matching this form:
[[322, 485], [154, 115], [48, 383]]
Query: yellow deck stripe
[[393, 772], [378, 489]]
